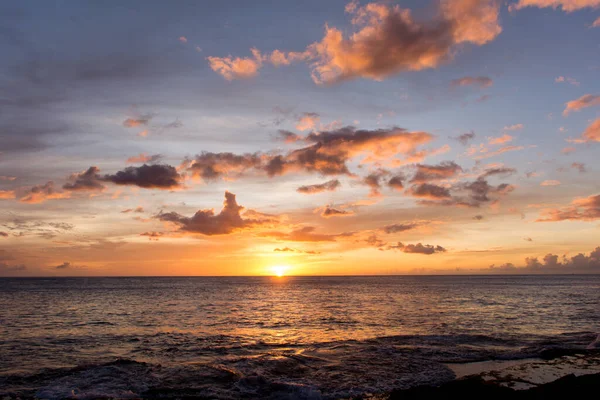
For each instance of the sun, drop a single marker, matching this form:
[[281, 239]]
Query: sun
[[279, 270]]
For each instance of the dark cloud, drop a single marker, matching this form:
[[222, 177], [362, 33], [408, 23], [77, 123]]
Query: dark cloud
[[19, 226], [327, 153], [418, 248], [138, 209], [332, 212], [3, 234], [64, 265], [88, 180], [429, 191], [465, 138], [552, 263], [480, 190], [292, 250], [498, 171], [395, 228], [426, 173], [210, 166], [157, 176], [140, 120], [374, 180], [321, 187], [12, 268], [289, 137], [152, 235], [205, 222], [478, 217]]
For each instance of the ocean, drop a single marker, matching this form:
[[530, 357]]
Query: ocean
[[289, 337]]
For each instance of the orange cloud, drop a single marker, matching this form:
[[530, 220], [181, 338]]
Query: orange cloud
[[7, 194], [135, 122], [585, 101], [501, 139], [596, 23], [583, 208], [592, 132], [305, 234], [237, 68], [481, 81], [40, 193], [568, 150], [551, 182], [144, 158], [566, 5], [307, 121], [390, 41]]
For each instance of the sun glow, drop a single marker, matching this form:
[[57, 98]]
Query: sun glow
[[279, 270]]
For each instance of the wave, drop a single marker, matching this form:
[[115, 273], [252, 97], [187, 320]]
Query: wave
[[220, 367]]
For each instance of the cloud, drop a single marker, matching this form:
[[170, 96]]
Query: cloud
[[481, 81], [585, 101], [592, 132], [500, 139], [568, 150], [3, 234], [237, 68], [20, 226], [329, 212], [478, 217], [579, 167], [183, 39], [418, 248], [552, 263], [7, 178], [566, 5], [142, 120], [596, 23], [307, 121], [321, 187], [498, 171], [138, 209], [373, 181], [583, 209], [396, 182], [205, 222], [429, 191], [515, 127], [444, 170], [395, 228], [327, 153], [562, 79], [501, 150], [12, 268], [7, 194], [551, 182], [144, 158], [153, 235], [465, 138], [40, 193], [88, 180], [304, 234], [65, 265], [157, 176], [292, 250], [387, 40]]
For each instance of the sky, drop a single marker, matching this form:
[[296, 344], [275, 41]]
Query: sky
[[303, 138]]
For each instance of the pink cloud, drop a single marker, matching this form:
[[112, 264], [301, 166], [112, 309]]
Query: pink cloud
[[566, 5], [585, 101], [501, 139]]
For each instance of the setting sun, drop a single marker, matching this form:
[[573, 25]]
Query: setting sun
[[279, 270]]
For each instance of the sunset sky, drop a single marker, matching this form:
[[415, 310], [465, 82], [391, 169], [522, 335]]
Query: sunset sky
[[313, 137]]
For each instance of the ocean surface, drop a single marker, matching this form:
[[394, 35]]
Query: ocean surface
[[290, 337]]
